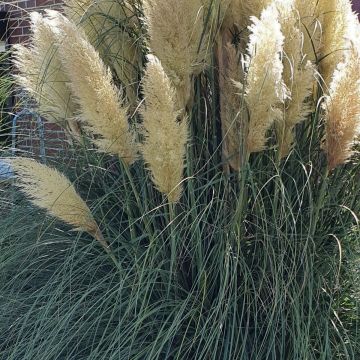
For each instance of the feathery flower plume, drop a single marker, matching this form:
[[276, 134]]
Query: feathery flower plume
[[117, 45], [339, 29], [234, 15], [264, 89], [298, 75], [42, 76], [177, 42], [239, 12], [52, 191], [292, 47], [342, 111], [165, 136], [91, 83]]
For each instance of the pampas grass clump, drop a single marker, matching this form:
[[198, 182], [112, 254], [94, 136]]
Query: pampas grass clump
[[225, 182]]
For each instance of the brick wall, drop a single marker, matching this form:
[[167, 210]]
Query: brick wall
[[18, 13], [27, 138]]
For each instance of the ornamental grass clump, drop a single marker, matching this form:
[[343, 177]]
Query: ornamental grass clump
[[219, 162]]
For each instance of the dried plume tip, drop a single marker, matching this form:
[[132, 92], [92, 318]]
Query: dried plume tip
[[176, 42], [52, 191], [342, 111], [99, 100], [165, 136], [264, 89], [40, 73]]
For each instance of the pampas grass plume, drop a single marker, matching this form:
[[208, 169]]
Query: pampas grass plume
[[239, 12], [40, 73], [50, 190], [165, 136], [264, 89], [298, 75], [91, 82], [116, 47], [338, 23], [298, 107], [342, 111], [175, 30]]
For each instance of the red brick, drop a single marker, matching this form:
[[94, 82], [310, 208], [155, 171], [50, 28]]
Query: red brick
[[31, 4], [26, 30], [52, 126], [22, 4], [23, 23], [16, 31]]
